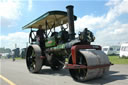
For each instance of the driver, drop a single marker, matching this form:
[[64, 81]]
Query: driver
[[40, 35]]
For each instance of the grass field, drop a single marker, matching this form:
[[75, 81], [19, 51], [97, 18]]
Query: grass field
[[113, 59], [17, 58], [117, 60]]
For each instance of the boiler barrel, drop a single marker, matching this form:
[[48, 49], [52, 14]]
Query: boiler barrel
[[93, 58]]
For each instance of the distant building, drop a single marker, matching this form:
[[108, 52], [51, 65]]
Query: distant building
[[4, 55], [23, 52], [16, 52]]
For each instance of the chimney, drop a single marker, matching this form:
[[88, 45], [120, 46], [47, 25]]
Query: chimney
[[71, 22]]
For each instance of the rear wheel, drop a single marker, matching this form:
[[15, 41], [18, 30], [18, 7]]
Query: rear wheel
[[33, 61], [78, 74]]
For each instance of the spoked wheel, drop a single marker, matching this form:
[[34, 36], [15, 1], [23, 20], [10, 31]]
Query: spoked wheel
[[78, 74], [34, 63]]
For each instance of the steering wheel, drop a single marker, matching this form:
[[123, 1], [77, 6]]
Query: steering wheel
[[32, 37]]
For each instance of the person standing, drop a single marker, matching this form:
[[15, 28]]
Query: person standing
[[40, 35]]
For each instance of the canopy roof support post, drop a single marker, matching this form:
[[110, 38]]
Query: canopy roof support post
[[46, 28]]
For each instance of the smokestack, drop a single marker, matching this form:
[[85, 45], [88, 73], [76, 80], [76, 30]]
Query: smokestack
[[71, 21]]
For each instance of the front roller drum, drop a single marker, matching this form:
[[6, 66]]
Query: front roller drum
[[89, 65], [33, 60], [78, 74]]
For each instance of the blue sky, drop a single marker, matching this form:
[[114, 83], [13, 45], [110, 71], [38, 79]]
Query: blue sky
[[82, 8], [108, 19]]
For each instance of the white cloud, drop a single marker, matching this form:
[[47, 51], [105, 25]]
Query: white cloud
[[90, 22], [113, 2], [113, 34], [19, 38], [29, 5], [10, 9], [117, 9], [108, 29]]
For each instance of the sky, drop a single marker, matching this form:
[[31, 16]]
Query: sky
[[107, 19]]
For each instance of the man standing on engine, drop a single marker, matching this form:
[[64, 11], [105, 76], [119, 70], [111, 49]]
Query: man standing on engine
[[40, 36]]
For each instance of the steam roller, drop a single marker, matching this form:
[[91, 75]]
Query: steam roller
[[85, 61], [86, 64]]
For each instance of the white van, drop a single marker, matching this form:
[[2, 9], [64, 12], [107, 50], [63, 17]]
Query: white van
[[111, 50], [124, 50]]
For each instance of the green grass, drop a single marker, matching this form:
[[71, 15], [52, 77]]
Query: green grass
[[117, 60], [18, 58]]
